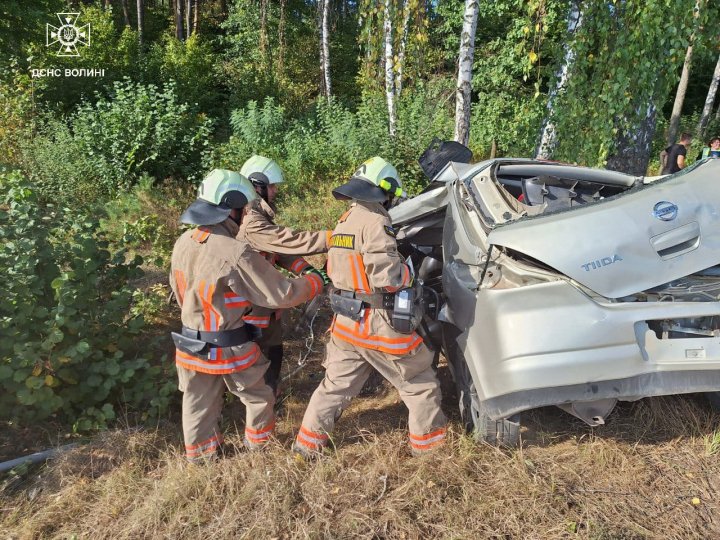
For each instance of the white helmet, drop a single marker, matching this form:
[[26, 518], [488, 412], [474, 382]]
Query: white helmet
[[262, 170]]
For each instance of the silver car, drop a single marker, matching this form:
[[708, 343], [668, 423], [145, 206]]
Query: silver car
[[568, 286]]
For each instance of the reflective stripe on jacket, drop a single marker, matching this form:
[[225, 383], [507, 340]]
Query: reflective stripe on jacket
[[363, 257], [217, 279]]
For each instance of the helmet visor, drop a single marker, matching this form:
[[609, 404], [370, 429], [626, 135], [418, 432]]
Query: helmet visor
[[201, 212], [361, 190]]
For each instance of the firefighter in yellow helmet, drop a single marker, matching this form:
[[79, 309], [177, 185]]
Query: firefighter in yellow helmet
[[282, 246], [217, 279], [371, 327]]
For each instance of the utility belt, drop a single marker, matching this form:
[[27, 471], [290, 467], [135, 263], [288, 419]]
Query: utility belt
[[406, 307], [195, 342]]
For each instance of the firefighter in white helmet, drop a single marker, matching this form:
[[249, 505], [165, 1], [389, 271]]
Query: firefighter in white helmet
[[368, 332], [218, 279], [282, 246]]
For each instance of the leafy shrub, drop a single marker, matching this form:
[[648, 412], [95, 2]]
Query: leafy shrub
[[190, 64], [104, 147], [323, 147], [70, 344], [15, 113]]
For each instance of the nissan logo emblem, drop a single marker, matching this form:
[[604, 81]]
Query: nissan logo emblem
[[665, 211]]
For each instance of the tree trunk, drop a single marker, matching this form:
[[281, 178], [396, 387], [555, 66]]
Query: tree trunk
[[179, 29], [126, 13], [463, 94], [140, 20], [632, 154], [325, 49], [680, 95], [389, 72], [548, 136], [196, 16], [264, 44], [281, 39], [188, 18], [403, 46], [709, 101]]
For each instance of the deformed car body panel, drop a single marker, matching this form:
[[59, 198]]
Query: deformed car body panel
[[621, 246], [534, 327]]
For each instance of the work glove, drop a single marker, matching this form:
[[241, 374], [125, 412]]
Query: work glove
[[318, 272]]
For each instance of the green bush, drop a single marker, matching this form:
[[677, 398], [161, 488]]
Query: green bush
[[324, 146], [105, 146], [71, 347]]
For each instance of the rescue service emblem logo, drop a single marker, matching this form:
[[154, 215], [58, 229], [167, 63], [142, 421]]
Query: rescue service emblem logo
[[67, 35], [345, 241]]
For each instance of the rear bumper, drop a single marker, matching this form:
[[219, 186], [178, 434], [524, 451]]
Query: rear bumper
[[549, 344]]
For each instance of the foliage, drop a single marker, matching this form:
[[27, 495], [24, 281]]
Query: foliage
[[105, 146], [326, 145], [626, 57], [71, 344], [21, 21], [16, 111], [191, 65]]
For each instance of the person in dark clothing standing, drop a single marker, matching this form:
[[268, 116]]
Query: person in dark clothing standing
[[676, 155]]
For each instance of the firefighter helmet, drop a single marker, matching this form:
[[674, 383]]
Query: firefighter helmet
[[219, 193]]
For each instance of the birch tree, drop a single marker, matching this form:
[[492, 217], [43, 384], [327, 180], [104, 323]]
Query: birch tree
[[179, 29], [188, 18], [389, 69], [140, 20], [548, 136], [325, 49], [196, 16], [680, 96], [464, 84], [709, 101], [126, 13]]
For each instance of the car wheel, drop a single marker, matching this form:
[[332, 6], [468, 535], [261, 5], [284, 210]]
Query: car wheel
[[504, 432], [714, 398]]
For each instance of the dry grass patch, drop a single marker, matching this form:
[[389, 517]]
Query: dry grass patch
[[586, 483]]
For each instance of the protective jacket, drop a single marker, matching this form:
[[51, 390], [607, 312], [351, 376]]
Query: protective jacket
[[363, 258], [216, 279], [280, 245]]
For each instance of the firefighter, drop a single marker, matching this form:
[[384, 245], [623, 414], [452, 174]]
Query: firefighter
[[217, 279], [282, 246], [367, 332]]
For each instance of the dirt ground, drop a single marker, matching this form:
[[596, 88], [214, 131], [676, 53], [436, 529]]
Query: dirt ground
[[652, 472]]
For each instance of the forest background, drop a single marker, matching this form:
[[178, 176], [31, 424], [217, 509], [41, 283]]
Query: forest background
[[96, 166]]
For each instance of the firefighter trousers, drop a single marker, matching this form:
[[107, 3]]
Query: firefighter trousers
[[271, 345], [203, 396], [348, 367]]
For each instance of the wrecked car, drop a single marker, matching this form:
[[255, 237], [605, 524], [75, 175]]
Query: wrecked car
[[565, 285]]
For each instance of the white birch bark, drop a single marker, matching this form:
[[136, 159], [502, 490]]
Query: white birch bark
[[140, 20], [709, 101], [548, 136], [389, 72], [680, 96], [325, 49], [464, 84], [403, 46], [188, 18]]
